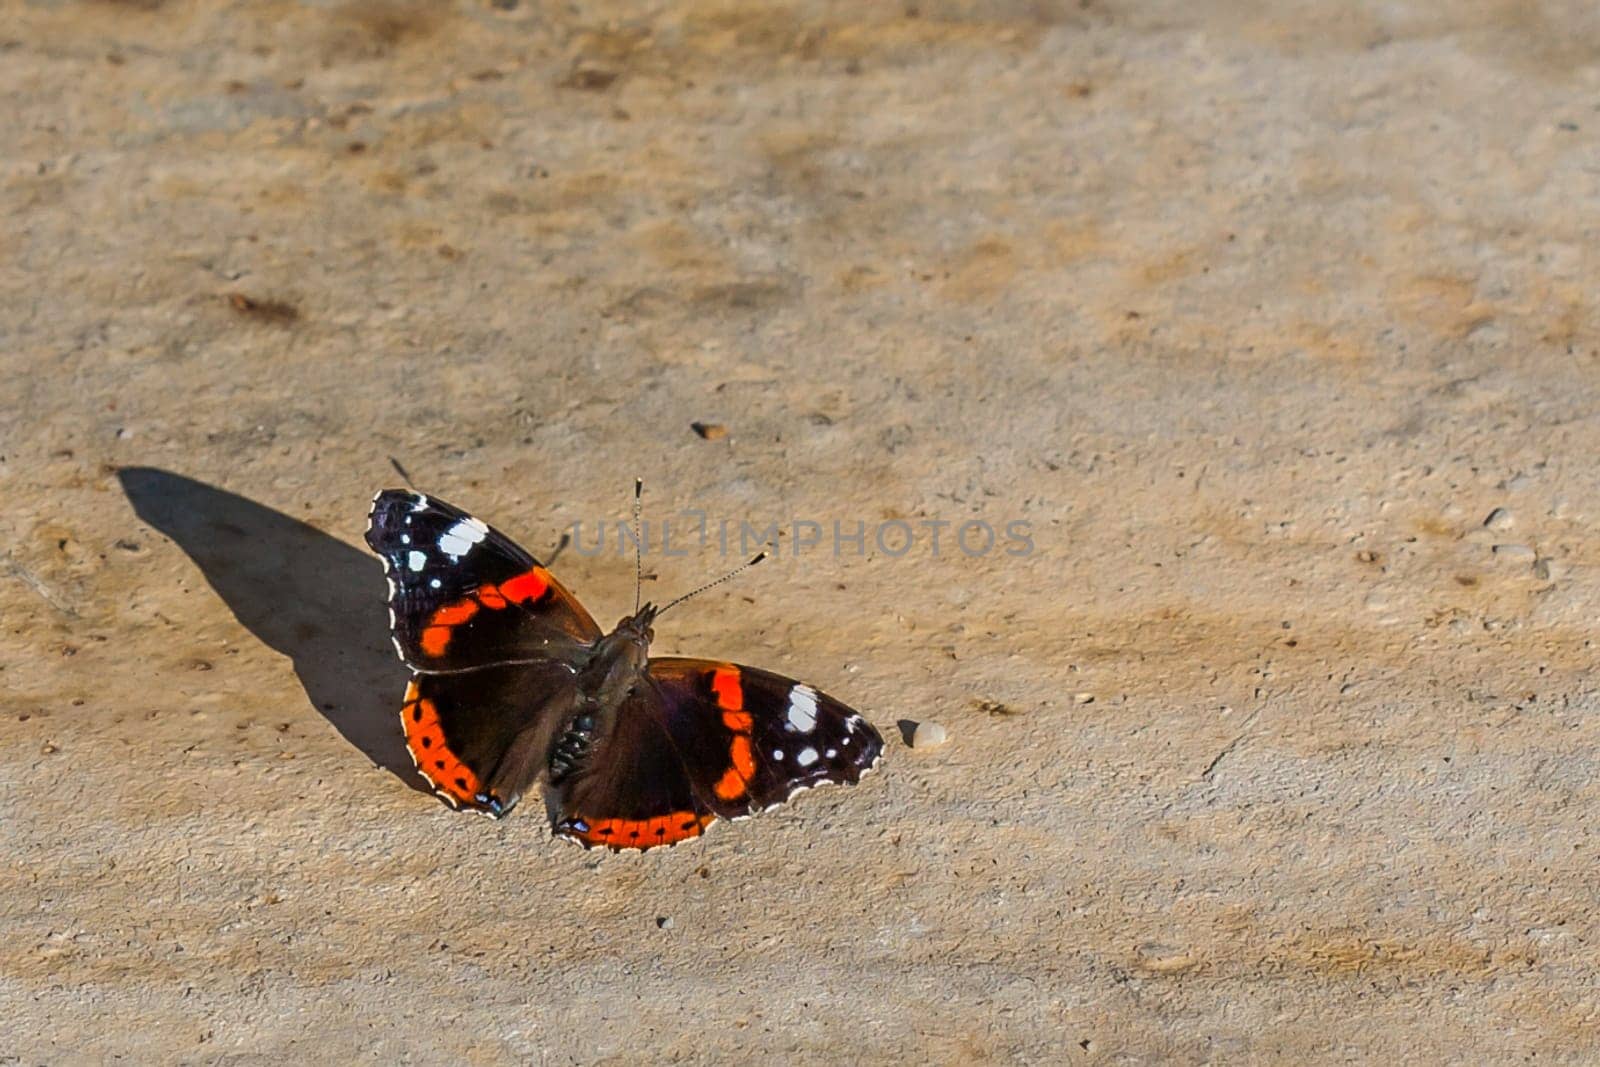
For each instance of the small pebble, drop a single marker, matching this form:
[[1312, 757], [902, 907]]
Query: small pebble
[[1500, 519], [1083, 698], [1513, 553], [710, 431], [928, 735], [1546, 569], [663, 922], [1163, 959]]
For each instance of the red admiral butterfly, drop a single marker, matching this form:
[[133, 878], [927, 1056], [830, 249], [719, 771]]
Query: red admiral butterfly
[[513, 681]]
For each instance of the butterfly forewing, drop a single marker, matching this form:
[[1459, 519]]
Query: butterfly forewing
[[463, 595], [752, 739]]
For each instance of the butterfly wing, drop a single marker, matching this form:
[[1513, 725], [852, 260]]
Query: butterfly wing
[[495, 641], [632, 792], [699, 740], [752, 739], [481, 737], [462, 595]]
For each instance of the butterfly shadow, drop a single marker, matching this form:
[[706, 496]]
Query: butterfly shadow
[[307, 595]]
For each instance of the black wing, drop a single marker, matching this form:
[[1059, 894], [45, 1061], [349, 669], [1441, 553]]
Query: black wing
[[463, 595], [481, 737], [632, 790], [700, 740]]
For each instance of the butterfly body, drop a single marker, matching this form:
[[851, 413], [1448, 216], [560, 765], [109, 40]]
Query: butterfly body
[[513, 683]]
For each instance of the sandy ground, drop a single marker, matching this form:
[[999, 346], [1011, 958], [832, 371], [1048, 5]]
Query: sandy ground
[[1273, 750]]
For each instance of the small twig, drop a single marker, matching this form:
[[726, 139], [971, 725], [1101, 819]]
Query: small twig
[[1227, 750], [27, 578]]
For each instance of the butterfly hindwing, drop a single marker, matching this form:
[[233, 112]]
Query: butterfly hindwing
[[464, 595], [633, 791], [480, 737]]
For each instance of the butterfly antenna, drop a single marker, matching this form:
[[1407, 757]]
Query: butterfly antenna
[[401, 471], [638, 544], [757, 558], [555, 553]]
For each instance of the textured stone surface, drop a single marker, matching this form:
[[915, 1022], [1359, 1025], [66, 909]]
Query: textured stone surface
[[1253, 311]]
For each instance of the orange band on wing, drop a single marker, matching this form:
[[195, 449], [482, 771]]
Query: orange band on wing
[[435, 639], [666, 829], [525, 588], [425, 739], [729, 693], [725, 686], [454, 614], [528, 586], [436, 635], [742, 767]]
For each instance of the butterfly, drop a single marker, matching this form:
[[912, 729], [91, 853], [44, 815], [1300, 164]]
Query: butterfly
[[514, 683]]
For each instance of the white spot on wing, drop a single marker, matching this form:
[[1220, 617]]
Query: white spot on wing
[[807, 757], [416, 560], [777, 754], [434, 583], [459, 539], [802, 709]]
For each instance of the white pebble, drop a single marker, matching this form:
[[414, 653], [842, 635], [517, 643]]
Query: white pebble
[[1513, 554], [1083, 698], [928, 735]]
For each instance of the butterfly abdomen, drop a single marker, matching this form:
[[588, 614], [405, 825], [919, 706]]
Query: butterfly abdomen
[[572, 748], [614, 670]]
